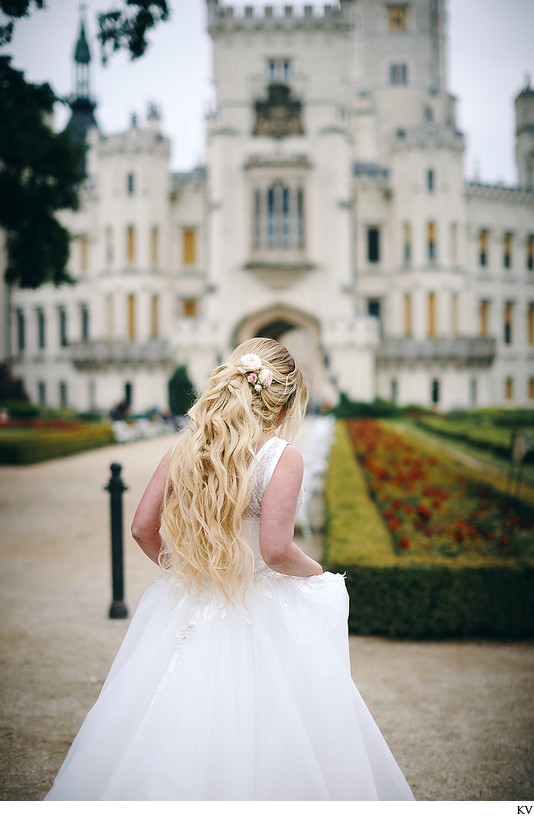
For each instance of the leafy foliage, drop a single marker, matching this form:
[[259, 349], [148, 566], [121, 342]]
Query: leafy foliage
[[128, 27], [40, 173], [11, 387], [15, 9]]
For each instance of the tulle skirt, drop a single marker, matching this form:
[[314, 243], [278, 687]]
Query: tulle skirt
[[212, 702]]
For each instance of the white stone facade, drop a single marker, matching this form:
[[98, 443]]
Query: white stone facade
[[332, 213]]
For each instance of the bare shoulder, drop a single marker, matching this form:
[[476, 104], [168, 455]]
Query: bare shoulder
[[290, 464]]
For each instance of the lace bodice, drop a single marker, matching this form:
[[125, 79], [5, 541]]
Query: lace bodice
[[261, 471]]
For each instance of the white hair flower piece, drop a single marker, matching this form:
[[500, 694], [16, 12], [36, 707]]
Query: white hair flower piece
[[257, 375]]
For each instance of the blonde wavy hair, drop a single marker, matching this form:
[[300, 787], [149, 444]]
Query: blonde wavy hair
[[208, 486]]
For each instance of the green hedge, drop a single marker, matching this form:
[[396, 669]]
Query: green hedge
[[495, 439], [32, 446], [415, 596]]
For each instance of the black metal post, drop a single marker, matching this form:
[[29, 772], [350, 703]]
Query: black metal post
[[116, 487]]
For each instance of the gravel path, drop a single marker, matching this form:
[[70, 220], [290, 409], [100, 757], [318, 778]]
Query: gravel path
[[458, 716]]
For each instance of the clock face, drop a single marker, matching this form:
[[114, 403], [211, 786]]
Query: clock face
[[398, 18]]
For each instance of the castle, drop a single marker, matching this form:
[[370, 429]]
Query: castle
[[331, 213]]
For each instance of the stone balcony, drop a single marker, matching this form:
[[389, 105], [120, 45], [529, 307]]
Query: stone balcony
[[460, 352], [101, 354]]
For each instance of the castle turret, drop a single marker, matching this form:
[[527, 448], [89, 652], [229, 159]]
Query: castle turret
[[524, 129], [81, 102]]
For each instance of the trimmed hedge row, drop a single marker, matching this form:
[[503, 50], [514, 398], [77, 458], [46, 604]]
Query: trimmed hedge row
[[415, 596], [28, 447], [494, 439]]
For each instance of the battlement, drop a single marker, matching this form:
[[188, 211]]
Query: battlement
[[225, 19]]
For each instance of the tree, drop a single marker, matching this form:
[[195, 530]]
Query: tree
[[118, 28], [181, 391], [15, 9], [40, 173], [127, 28]]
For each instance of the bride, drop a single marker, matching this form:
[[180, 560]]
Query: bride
[[233, 681]]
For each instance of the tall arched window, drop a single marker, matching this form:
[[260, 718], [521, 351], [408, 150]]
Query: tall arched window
[[278, 217]]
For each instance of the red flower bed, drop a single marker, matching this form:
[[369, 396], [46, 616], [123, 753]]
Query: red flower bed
[[431, 508]]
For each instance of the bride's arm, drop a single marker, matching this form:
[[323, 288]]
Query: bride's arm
[[147, 519], [277, 521]]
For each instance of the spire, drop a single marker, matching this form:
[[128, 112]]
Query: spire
[[81, 103]]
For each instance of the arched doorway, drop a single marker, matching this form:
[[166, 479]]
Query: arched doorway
[[297, 331]]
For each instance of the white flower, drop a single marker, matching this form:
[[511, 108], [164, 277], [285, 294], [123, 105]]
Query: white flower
[[258, 388], [250, 362], [252, 378], [266, 377]]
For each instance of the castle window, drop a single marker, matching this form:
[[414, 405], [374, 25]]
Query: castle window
[[454, 242], [257, 219], [509, 389], [189, 249], [398, 74], [483, 247], [473, 392], [130, 184], [279, 71], [374, 309], [454, 315], [431, 240], [373, 244], [430, 180], [131, 317], [394, 386], [508, 315], [530, 252], [408, 315], [130, 244], [531, 388], [41, 390], [530, 325], [434, 391], [62, 327], [154, 316], [431, 304], [398, 18], [278, 217], [154, 245], [62, 393], [300, 219], [407, 232], [84, 314], [21, 331], [507, 250], [109, 245], [84, 253], [483, 318], [190, 308], [41, 328]]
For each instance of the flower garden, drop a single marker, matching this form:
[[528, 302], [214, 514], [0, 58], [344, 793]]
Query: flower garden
[[433, 509], [429, 549]]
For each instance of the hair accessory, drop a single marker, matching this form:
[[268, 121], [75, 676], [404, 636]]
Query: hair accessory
[[257, 375]]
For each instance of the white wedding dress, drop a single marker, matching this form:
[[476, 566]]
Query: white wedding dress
[[255, 702]]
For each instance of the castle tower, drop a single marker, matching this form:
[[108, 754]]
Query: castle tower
[[81, 103], [524, 150]]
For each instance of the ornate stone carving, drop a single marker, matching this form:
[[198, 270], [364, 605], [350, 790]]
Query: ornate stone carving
[[279, 115]]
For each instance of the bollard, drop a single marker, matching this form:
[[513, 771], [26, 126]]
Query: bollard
[[116, 487]]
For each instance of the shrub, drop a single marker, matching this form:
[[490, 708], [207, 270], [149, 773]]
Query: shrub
[[181, 391], [31, 446]]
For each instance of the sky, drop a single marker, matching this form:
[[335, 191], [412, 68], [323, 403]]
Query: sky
[[491, 51]]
